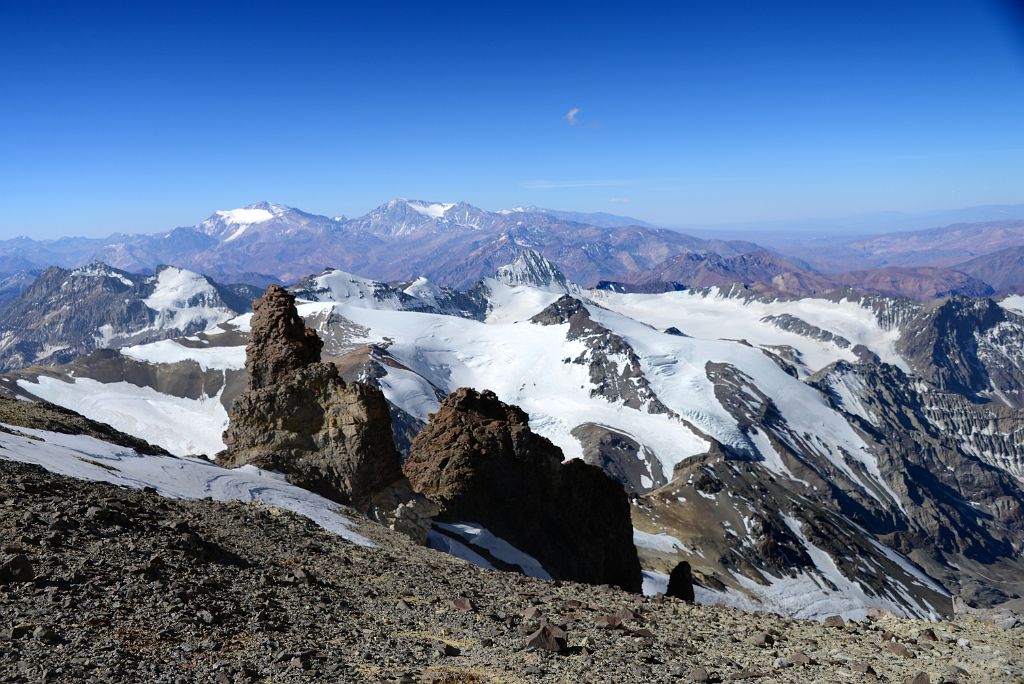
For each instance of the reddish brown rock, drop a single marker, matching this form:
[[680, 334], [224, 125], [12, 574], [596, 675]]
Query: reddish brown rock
[[301, 419], [479, 461], [280, 342], [547, 638]]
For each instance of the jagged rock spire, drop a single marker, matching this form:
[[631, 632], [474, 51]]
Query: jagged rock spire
[[280, 342]]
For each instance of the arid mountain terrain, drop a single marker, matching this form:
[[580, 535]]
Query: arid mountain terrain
[[759, 436]]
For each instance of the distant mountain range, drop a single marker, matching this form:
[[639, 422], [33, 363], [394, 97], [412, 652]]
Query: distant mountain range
[[451, 243], [457, 244]]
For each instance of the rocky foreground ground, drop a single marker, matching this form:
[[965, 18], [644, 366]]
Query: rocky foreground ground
[[104, 584]]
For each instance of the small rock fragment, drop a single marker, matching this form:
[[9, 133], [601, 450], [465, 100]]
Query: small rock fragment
[[547, 638], [462, 603], [699, 674], [864, 669], [609, 622], [45, 634], [445, 649], [16, 569]]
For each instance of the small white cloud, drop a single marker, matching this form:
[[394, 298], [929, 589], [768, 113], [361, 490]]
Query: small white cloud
[[619, 200], [572, 116]]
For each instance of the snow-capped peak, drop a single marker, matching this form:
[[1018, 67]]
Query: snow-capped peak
[[185, 300], [245, 216], [338, 286], [98, 269], [530, 268], [231, 224], [432, 209]]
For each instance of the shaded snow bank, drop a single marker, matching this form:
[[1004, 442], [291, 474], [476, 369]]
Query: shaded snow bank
[[87, 458]]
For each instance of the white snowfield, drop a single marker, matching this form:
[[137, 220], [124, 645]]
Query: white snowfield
[[87, 458], [434, 210], [181, 426], [1013, 303], [472, 535], [170, 351], [718, 316], [338, 286], [182, 298]]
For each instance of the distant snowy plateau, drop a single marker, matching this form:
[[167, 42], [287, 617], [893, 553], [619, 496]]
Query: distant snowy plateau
[[808, 456]]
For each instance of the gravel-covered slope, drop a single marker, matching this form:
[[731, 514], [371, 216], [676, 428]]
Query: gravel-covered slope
[[127, 586]]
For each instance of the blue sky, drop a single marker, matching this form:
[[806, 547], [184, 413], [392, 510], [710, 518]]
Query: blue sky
[[138, 116]]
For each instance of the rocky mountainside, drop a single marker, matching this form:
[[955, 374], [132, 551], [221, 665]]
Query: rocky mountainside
[[65, 313], [120, 584], [13, 285], [704, 270], [1003, 270], [759, 436], [920, 283], [947, 245], [773, 273]]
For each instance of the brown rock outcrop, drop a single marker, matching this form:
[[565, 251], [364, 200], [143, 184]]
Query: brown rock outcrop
[[479, 461], [280, 342], [301, 419]]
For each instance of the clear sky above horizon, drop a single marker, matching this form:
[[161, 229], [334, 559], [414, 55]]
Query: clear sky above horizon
[[141, 116]]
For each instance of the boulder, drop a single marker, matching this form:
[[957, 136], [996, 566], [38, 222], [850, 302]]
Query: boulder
[[680, 582], [480, 462]]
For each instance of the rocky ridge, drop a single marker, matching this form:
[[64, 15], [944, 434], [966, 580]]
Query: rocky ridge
[[63, 313]]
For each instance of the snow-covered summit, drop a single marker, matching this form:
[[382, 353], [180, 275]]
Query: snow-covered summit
[[98, 269], [228, 225], [404, 216], [338, 286], [184, 300], [431, 209], [532, 269]]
